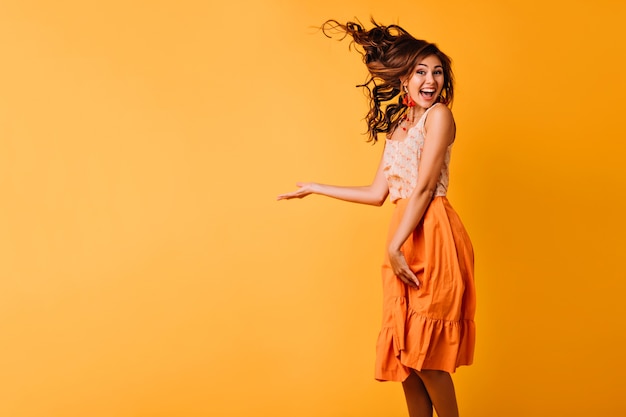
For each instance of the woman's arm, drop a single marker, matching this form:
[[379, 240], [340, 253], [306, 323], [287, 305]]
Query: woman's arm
[[440, 132], [373, 194]]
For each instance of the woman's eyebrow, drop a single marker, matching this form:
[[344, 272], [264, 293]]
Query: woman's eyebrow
[[424, 65]]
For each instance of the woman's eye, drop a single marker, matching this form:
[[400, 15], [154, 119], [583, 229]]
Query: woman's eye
[[421, 72]]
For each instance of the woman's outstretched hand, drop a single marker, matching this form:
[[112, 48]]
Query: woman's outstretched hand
[[304, 189], [401, 268]]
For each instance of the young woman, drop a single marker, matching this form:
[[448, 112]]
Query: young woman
[[428, 284]]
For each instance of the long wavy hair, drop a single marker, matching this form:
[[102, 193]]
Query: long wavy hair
[[391, 55]]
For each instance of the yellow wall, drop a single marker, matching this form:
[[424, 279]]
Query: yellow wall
[[146, 269]]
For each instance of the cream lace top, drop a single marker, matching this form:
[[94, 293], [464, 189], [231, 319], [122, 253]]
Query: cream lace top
[[401, 161]]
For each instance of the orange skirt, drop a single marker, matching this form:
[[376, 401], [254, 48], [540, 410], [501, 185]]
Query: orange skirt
[[430, 327]]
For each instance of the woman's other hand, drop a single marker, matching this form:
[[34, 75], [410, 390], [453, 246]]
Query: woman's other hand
[[304, 189], [401, 268]]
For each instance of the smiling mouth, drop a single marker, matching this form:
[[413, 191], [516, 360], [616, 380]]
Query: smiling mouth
[[427, 93]]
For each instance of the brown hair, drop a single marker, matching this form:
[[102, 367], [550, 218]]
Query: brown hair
[[390, 54]]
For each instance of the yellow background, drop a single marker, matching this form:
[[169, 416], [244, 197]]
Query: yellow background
[[147, 270]]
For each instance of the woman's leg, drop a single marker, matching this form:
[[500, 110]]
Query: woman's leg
[[417, 399], [440, 389]]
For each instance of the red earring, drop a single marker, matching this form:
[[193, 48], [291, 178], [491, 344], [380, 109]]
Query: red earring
[[408, 101]]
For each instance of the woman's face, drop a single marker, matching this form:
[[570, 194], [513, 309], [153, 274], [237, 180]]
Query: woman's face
[[426, 82]]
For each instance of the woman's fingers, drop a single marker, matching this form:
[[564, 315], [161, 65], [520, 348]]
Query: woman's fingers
[[409, 279], [401, 269], [286, 196], [302, 191], [415, 282]]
